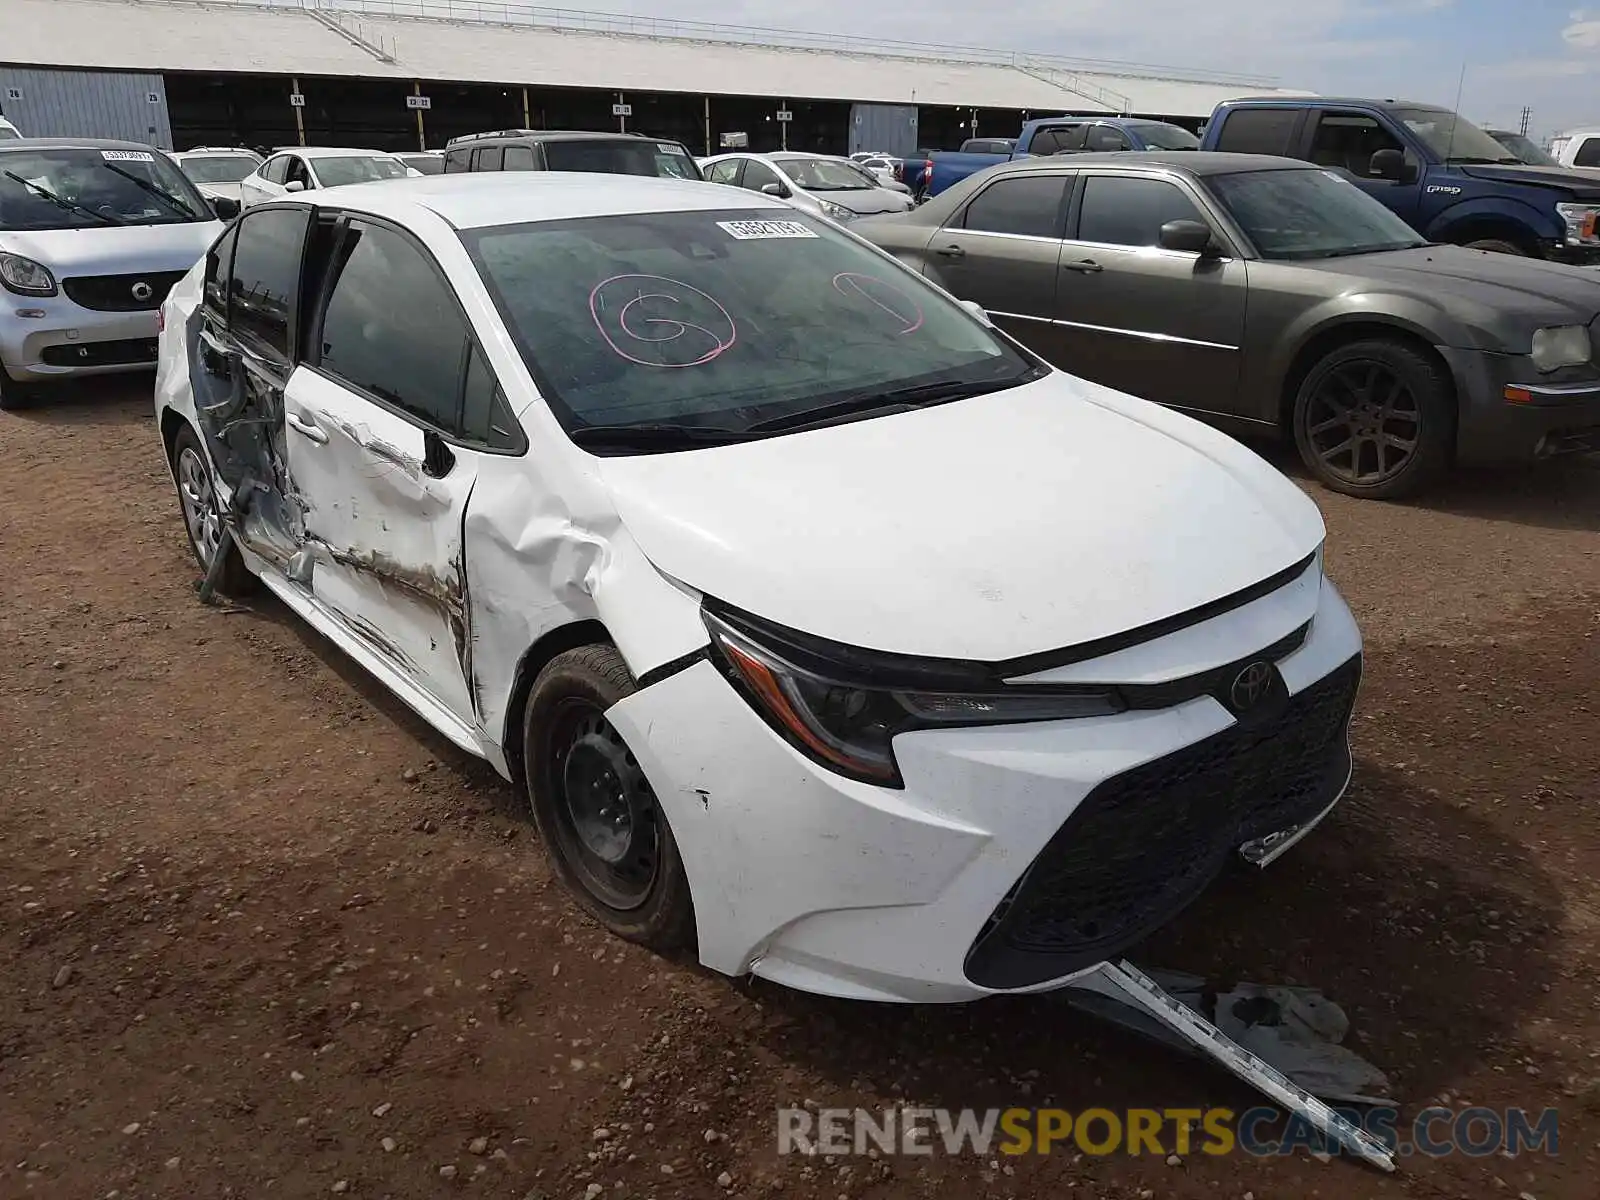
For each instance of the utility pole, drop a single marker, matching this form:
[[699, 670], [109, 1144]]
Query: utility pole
[[1527, 119]]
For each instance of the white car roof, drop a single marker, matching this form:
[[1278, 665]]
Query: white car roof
[[475, 200], [333, 152]]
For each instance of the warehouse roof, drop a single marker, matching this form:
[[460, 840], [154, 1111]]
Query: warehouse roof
[[278, 38]]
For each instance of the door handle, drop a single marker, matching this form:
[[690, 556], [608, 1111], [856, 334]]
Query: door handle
[[1087, 265], [305, 428], [951, 251]]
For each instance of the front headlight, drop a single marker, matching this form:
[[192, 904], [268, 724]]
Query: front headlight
[[26, 277], [836, 212], [843, 707], [1560, 346], [1581, 220]]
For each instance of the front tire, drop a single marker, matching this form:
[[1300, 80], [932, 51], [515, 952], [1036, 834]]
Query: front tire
[[14, 396], [606, 835], [202, 515], [1376, 419]]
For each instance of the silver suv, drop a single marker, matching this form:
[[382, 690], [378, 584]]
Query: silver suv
[[93, 235]]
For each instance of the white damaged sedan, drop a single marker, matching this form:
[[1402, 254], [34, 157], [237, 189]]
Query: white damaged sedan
[[827, 630]]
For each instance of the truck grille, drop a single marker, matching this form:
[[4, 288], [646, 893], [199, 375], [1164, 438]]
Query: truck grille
[[1143, 845], [115, 293]]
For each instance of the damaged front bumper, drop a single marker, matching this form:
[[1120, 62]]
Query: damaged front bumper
[[1015, 859]]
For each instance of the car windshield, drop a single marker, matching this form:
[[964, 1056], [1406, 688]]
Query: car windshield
[[72, 188], [425, 164], [7, 133], [1310, 213], [718, 320], [364, 168], [1451, 138], [216, 168], [1161, 136], [622, 156], [827, 174], [1525, 150]]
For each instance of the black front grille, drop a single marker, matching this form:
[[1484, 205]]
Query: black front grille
[[1143, 845], [125, 351], [115, 293]]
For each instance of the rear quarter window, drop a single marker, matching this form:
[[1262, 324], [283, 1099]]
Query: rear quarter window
[[1258, 131]]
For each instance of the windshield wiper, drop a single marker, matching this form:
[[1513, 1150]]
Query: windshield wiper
[[865, 402], [62, 202], [656, 435], [1347, 251], [160, 193]]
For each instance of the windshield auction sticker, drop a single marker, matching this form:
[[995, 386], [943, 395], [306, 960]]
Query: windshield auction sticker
[[750, 231], [127, 156]]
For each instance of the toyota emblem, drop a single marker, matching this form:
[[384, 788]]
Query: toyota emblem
[[1250, 685], [142, 291]]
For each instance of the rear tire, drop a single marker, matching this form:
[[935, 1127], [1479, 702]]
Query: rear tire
[[14, 396], [1376, 419], [202, 515], [607, 837], [1497, 246]]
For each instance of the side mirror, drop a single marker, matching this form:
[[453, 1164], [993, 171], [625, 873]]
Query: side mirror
[[294, 185], [1387, 164], [1191, 237], [225, 208], [775, 189]]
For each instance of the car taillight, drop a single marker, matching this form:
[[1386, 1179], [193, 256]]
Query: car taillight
[[161, 319]]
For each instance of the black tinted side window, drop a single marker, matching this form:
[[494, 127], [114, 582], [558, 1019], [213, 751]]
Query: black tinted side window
[[520, 158], [1106, 137], [392, 328], [1258, 130], [219, 272], [1028, 205], [490, 158], [1130, 211], [457, 160], [1588, 154], [266, 276], [485, 417]]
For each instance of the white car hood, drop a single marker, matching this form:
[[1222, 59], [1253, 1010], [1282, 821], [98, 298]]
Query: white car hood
[[868, 202], [1028, 520], [110, 250]]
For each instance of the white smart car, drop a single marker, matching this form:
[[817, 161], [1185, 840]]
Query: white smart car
[[828, 630]]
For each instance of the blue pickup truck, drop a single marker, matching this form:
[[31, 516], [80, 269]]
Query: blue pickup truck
[[1050, 135], [1448, 179]]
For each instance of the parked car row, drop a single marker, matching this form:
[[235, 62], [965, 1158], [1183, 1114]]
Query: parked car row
[[902, 741]]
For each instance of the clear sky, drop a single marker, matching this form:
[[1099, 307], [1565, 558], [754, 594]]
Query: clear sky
[[1539, 53]]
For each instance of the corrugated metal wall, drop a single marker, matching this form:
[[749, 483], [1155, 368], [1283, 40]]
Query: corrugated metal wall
[[105, 104], [889, 128]]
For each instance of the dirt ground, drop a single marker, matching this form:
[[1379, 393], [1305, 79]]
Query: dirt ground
[[263, 934]]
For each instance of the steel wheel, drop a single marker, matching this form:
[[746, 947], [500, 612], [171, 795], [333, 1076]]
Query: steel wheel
[[199, 499], [1364, 423], [606, 814]]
